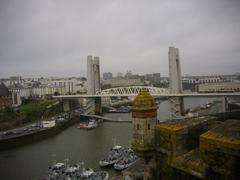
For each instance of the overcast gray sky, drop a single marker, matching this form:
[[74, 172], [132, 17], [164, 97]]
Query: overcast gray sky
[[54, 37]]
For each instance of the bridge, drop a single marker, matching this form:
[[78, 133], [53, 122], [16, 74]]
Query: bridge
[[133, 91], [95, 95], [106, 119]]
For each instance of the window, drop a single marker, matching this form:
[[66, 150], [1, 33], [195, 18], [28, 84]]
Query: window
[[137, 126], [148, 126]]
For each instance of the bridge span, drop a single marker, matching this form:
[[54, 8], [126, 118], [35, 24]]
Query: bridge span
[[154, 91], [155, 95], [106, 119], [133, 92]]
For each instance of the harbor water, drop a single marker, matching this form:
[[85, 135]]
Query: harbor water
[[31, 161]]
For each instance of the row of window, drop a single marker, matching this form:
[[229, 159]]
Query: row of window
[[204, 81], [5, 97]]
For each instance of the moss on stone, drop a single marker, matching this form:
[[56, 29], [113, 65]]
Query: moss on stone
[[144, 102]]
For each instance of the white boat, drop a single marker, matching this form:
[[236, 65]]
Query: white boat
[[127, 159], [123, 164], [92, 124], [112, 156], [66, 171], [99, 175], [87, 173]]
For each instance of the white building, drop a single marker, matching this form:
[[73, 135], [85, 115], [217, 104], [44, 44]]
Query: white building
[[220, 87], [49, 86], [202, 79], [69, 85], [16, 100], [37, 91], [123, 82]]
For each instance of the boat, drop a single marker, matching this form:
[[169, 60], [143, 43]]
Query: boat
[[87, 173], [127, 159], [98, 175], [92, 124], [82, 125], [112, 156], [65, 171], [55, 171], [72, 171]]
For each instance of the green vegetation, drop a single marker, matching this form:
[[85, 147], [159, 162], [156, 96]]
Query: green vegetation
[[31, 110], [31, 107], [36, 109]]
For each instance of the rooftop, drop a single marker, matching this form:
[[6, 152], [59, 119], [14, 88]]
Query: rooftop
[[226, 135], [175, 125], [144, 101]]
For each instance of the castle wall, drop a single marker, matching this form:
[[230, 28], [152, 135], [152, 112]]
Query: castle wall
[[220, 150], [177, 138]]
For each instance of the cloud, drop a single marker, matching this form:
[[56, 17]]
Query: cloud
[[53, 37]]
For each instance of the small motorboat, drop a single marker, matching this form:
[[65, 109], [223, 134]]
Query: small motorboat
[[112, 156], [82, 125]]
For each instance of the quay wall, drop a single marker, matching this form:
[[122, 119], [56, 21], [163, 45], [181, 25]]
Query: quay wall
[[36, 136]]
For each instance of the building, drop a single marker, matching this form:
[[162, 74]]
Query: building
[[202, 79], [5, 97], [16, 100], [107, 76], [119, 75], [93, 74], [38, 92], [123, 82], [154, 78], [220, 87], [144, 119], [42, 87], [15, 80], [66, 85]]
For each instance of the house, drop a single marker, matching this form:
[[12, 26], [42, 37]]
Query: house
[[5, 97]]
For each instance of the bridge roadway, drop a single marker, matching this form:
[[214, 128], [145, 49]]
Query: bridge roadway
[[155, 95], [106, 119]]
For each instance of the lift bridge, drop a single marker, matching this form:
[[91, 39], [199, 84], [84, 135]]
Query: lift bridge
[[154, 91], [133, 91]]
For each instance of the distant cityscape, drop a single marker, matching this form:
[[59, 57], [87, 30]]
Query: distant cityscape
[[42, 87]]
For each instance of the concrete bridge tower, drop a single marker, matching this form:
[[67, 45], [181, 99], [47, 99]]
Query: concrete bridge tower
[[93, 75], [175, 82], [93, 83]]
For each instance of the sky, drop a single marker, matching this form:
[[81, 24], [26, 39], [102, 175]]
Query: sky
[[43, 38]]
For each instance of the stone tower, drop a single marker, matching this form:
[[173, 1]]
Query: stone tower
[[144, 118]]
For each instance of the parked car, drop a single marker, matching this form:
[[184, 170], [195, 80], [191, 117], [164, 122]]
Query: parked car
[[7, 133]]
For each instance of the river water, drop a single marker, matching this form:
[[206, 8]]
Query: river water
[[31, 161]]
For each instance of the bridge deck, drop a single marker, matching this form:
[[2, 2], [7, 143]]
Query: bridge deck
[[156, 95], [107, 119]]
